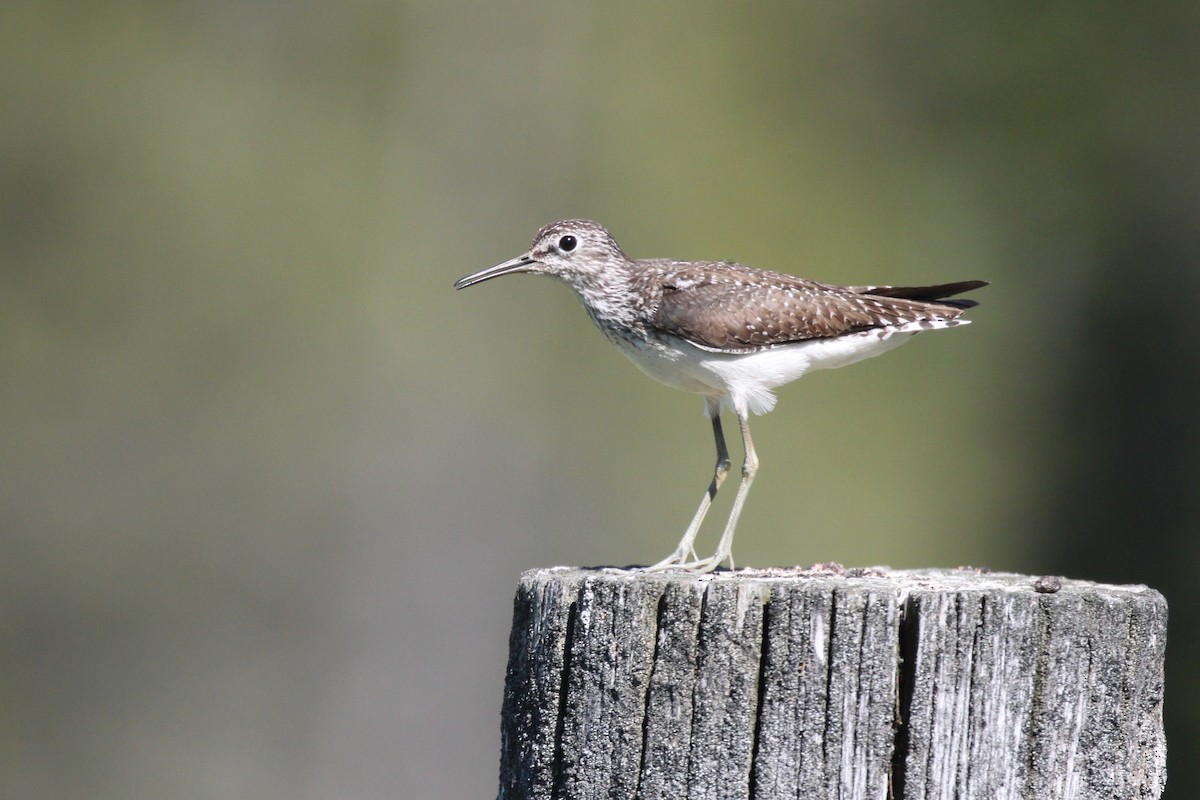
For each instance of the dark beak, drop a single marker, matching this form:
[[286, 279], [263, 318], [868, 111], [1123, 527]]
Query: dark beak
[[518, 264]]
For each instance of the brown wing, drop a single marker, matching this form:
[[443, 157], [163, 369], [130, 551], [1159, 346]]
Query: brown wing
[[737, 309]]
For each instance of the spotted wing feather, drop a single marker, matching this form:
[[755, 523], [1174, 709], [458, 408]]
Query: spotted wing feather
[[738, 309]]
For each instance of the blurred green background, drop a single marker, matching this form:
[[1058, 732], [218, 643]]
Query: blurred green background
[[267, 482]]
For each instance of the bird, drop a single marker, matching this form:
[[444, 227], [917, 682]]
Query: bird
[[730, 333]]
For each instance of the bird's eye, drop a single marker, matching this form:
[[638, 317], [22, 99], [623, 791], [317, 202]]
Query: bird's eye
[[567, 243]]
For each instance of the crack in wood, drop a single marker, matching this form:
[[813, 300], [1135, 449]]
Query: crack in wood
[[829, 668], [906, 678], [556, 764], [763, 649], [660, 617]]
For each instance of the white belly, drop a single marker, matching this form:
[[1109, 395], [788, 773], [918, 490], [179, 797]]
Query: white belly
[[744, 382]]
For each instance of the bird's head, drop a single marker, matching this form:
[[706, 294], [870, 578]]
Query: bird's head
[[577, 251]]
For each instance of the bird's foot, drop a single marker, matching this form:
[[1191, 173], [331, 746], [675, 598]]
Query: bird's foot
[[701, 566], [677, 560], [697, 566]]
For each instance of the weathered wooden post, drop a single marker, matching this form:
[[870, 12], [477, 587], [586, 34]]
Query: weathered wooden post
[[863, 684]]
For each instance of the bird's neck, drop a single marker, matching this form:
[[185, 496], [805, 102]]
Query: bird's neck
[[610, 298]]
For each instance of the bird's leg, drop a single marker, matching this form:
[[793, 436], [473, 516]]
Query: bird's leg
[[686, 547], [749, 468]]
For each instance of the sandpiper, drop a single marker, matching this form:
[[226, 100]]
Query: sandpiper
[[728, 332]]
